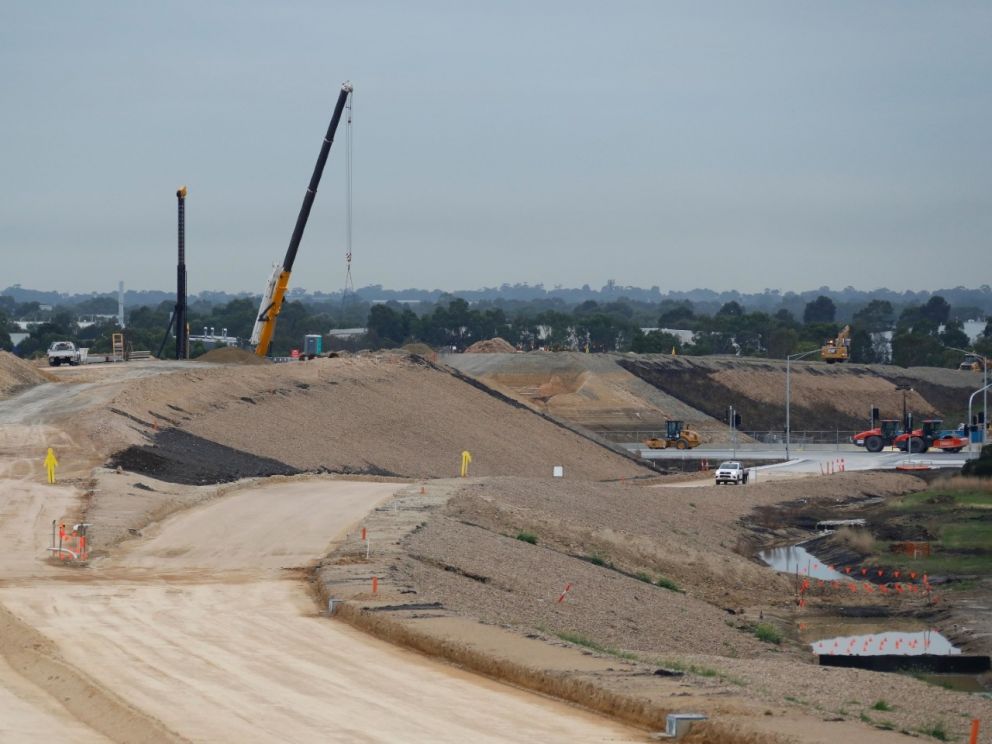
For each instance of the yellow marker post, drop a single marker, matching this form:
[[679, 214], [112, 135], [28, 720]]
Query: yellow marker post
[[50, 464], [466, 459]]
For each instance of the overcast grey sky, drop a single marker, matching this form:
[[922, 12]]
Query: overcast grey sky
[[732, 145]]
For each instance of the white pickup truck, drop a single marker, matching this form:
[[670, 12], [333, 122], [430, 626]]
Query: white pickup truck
[[731, 472], [65, 351]]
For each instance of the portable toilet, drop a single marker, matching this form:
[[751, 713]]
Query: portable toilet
[[313, 345]]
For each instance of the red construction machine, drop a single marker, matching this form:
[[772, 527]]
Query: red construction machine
[[882, 436], [930, 436]]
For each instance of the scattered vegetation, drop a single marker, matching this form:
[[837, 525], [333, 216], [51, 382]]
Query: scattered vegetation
[[669, 585], [857, 539], [641, 576], [881, 705], [527, 537], [936, 729], [581, 640], [768, 633]]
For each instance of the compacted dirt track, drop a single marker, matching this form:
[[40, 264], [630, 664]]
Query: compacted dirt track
[[200, 632]]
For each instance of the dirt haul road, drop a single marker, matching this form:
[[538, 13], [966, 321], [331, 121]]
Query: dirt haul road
[[198, 632]]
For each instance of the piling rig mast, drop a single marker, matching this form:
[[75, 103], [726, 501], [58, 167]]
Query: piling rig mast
[[275, 290]]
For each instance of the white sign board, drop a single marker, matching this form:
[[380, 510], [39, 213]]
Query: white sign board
[[559, 471]]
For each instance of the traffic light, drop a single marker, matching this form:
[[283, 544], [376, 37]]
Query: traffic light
[[737, 421], [875, 415]]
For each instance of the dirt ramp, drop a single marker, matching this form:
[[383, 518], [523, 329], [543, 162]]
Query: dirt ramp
[[388, 415], [589, 390]]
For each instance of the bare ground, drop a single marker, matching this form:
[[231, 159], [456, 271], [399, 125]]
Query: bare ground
[[382, 415], [451, 554]]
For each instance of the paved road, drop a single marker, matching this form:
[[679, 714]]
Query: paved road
[[809, 461]]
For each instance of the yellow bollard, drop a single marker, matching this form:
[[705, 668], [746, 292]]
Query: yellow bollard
[[50, 464], [466, 459]]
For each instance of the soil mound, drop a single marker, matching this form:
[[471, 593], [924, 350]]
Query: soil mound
[[491, 346], [230, 355], [419, 349], [16, 374], [385, 414]]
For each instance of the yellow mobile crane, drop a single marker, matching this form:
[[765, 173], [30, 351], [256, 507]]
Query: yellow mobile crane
[[275, 290]]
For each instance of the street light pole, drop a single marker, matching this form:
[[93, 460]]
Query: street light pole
[[983, 390], [788, 396], [985, 393]]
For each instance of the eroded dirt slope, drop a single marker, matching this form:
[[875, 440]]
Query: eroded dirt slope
[[387, 415]]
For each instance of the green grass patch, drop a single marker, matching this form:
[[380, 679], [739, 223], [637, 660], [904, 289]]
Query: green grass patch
[[597, 560], [581, 640], [943, 561], [881, 705], [641, 576], [967, 535], [669, 585], [936, 729], [700, 671], [527, 537], [768, 633], [938, 499]]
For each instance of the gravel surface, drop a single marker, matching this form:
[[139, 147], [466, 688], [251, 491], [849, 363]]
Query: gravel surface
[[504, 580]]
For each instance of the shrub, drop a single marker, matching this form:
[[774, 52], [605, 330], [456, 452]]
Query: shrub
[[881, 705], [936, 729], [669, 585], [641, 576], [527, 537], [768, 633]]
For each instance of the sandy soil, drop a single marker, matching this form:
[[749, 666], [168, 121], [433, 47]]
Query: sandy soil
[[16, 374], [195, 608], [590, 390], [231, 627], [458, 560], [386, 415], [638, 392]]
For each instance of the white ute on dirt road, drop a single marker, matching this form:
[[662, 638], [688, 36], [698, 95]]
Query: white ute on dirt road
[[65, 351], [731, 472]]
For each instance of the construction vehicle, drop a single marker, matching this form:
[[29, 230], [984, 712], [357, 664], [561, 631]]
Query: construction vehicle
[[837, 349], [275, 290], [973, 363], [880, 437], [930, 436], [677, 435]]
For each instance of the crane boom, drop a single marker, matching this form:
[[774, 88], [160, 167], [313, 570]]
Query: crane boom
[[275, 291]]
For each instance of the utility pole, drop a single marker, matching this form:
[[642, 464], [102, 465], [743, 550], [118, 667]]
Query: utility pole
[[182, 335], [733, 433]]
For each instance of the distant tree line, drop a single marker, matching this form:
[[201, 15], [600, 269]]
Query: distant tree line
[[920, 333]]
